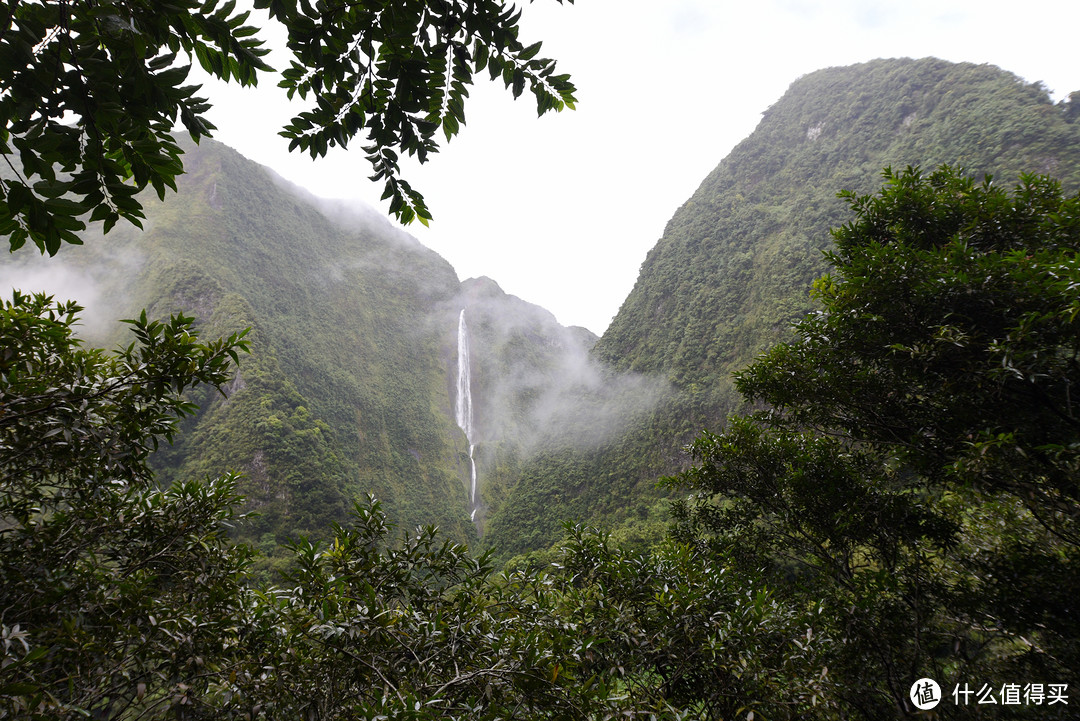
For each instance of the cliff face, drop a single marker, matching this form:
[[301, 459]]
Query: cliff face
[[538, 391], [735, 260]]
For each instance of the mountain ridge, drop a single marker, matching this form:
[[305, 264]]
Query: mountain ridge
[[350, 388], [733, 268]]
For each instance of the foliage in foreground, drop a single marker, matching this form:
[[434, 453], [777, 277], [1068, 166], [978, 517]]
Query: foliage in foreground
[[916, 469], [113, 592], [92, 92], [123, 599], [906, 506]]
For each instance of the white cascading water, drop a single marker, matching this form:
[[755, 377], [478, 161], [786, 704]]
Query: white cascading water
[[464, 403]]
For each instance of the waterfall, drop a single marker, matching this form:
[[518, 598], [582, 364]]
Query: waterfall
[[463, 410]]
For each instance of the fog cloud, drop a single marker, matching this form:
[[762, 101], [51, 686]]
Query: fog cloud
[[67, 281], [535, 382]]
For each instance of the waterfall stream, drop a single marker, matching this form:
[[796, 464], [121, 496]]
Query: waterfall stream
[[464, 410]]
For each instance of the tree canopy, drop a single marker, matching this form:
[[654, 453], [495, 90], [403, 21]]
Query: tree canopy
[[904, 505], [120, 598], [915, 465], [92, 92], [109, 584]]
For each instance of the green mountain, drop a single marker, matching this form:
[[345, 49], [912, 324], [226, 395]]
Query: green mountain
[[341, 393], [734, 265], [352, 386], [736, 259]]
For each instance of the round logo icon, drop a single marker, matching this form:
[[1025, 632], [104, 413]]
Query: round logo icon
[[925, 694]]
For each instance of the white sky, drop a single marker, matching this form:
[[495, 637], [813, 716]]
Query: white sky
[[562, 210]]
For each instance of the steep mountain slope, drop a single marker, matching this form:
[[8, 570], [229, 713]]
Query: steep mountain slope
[[734, 265], [344, 391], [736, 258], [350, 387]]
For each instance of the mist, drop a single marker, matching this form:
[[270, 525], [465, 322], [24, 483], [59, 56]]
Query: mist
[[535, 382], [373, 247], [66, 280]]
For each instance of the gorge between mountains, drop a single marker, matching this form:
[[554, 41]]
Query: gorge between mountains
[[375, 369]]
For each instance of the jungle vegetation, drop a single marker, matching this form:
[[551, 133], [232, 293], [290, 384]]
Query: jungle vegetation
[[894, 497], [903, 505]]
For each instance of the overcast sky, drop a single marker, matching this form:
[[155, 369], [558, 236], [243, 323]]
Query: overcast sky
[[561, 210]]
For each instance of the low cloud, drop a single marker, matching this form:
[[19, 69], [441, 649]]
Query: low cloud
[[56, 278], [535, 382]]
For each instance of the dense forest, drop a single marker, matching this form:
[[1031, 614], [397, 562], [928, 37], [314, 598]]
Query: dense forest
[[903, 508], [869, 307]]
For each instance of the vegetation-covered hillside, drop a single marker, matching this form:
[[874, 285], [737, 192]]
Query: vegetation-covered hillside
[[343, 392], [349, 388], [733, 268], [736, 259]]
